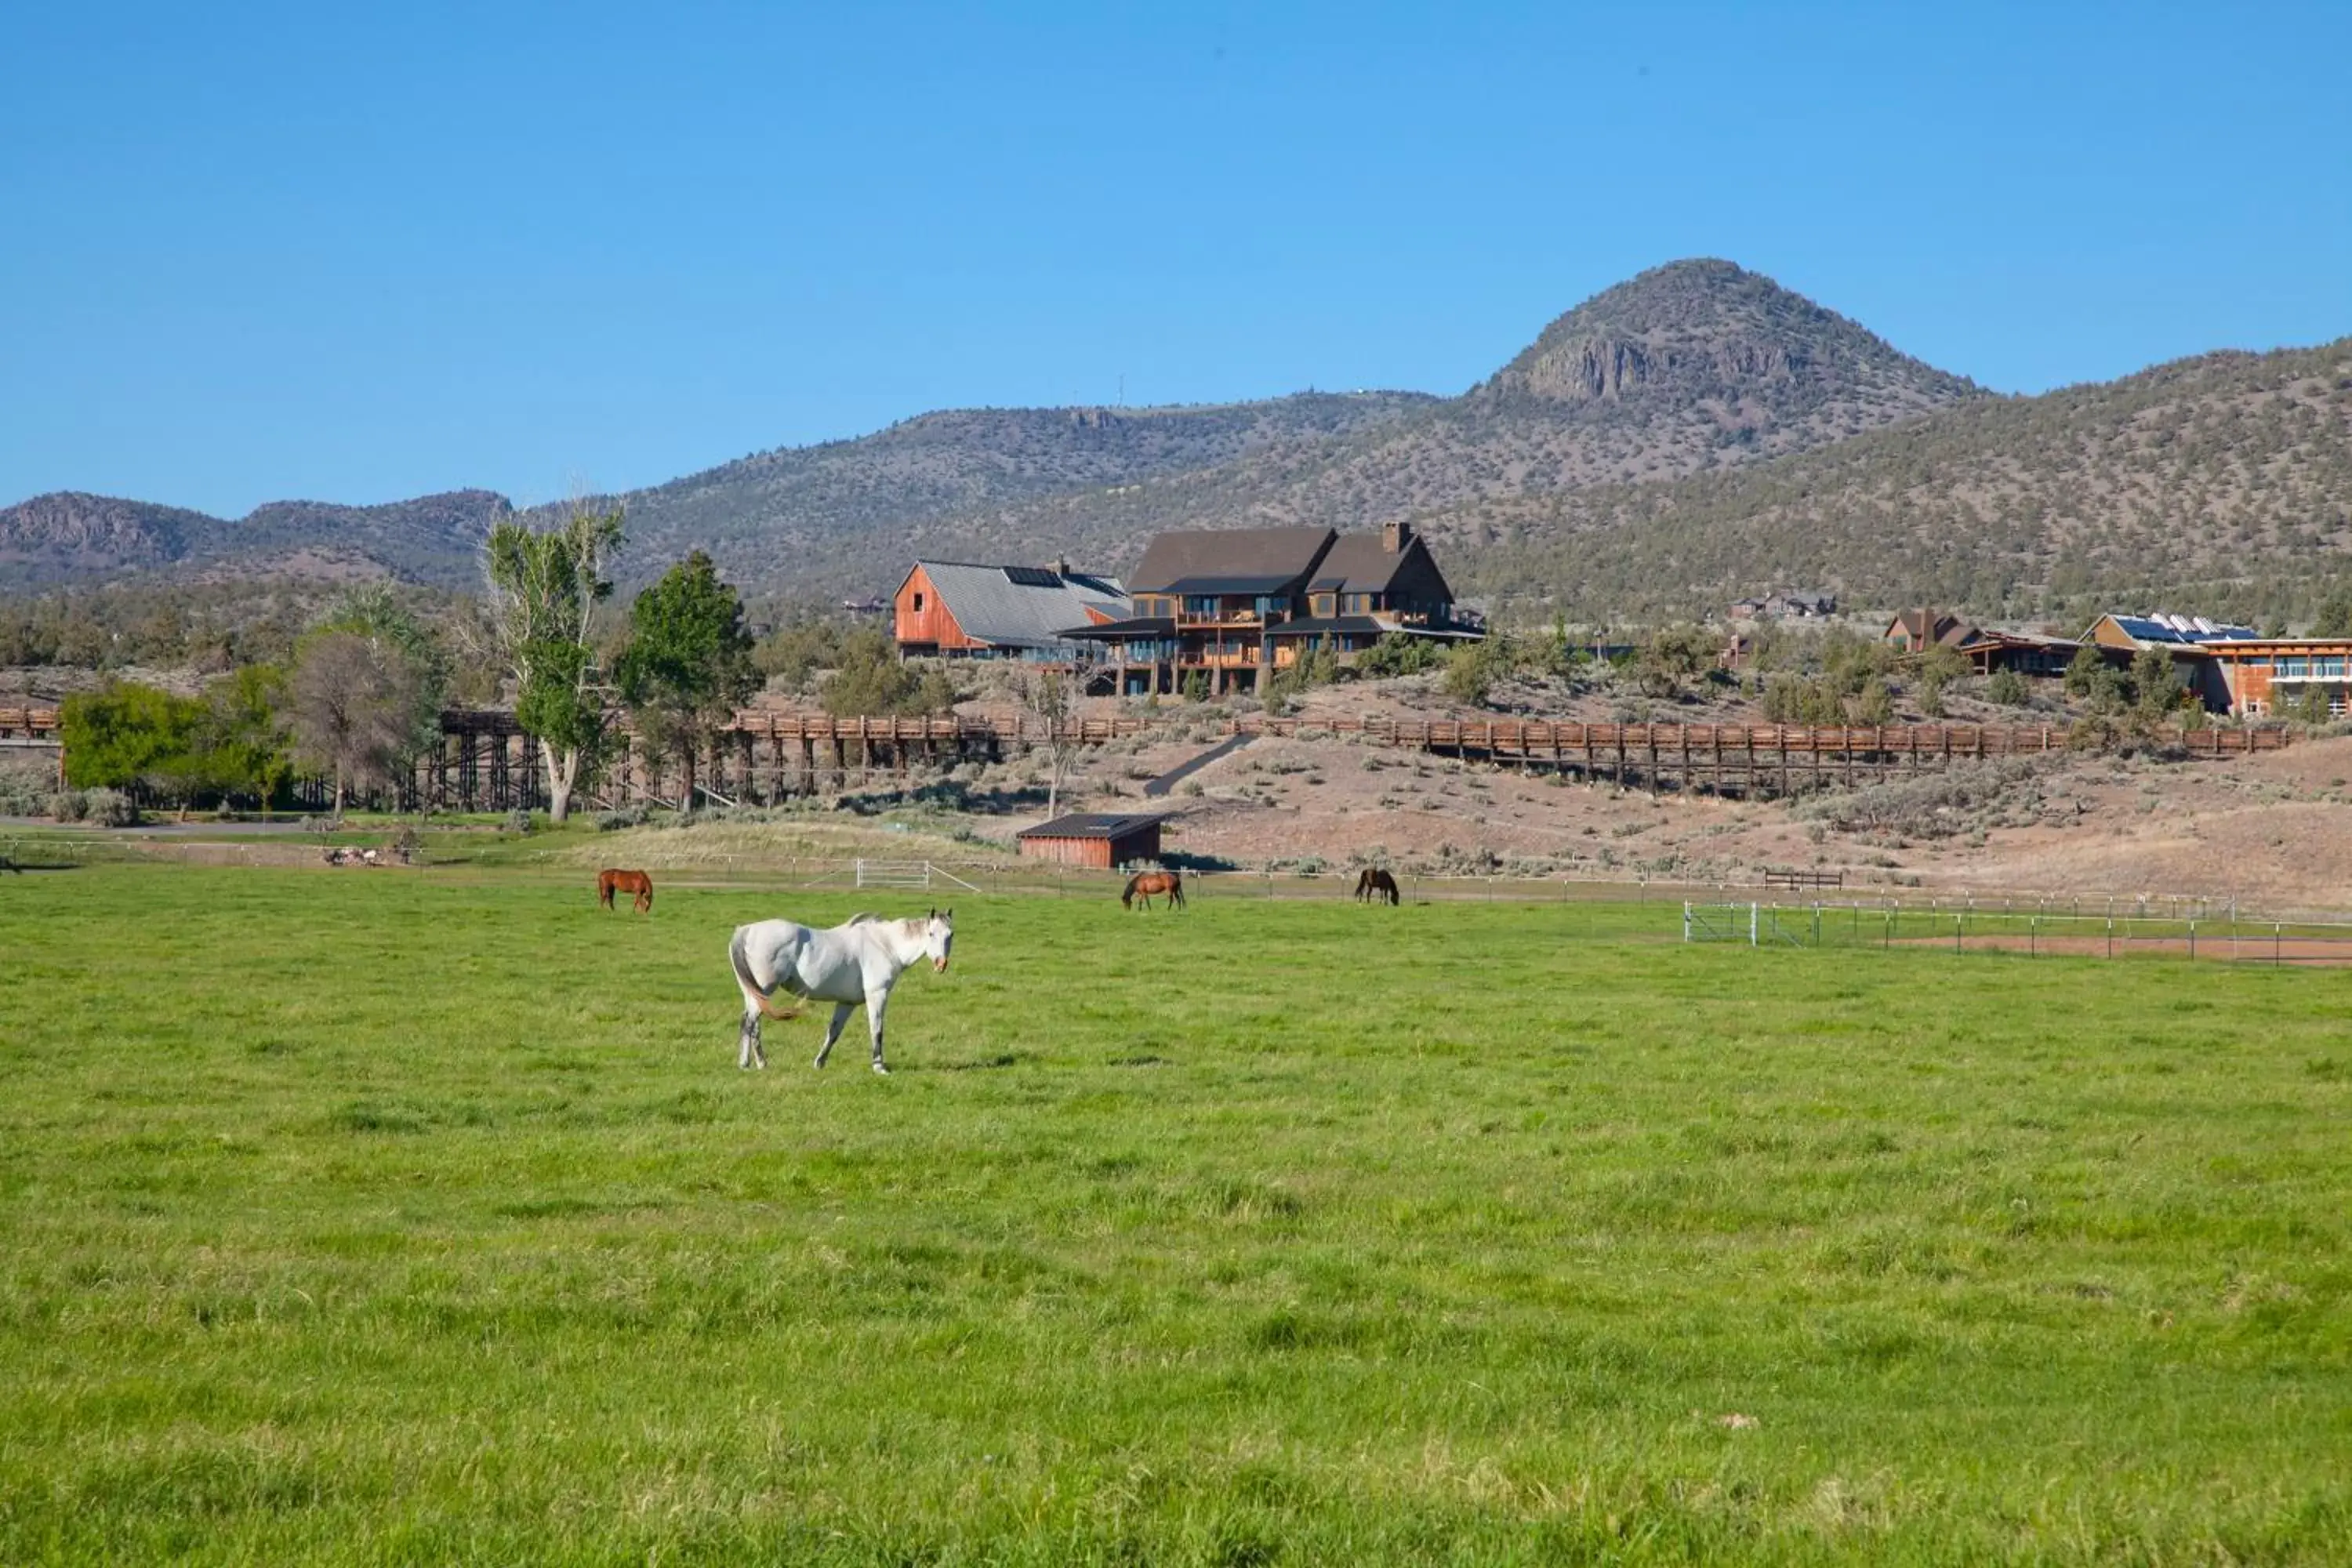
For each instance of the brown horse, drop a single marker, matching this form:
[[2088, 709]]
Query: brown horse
[[637, 882], [1145, 885], [1377, 886]]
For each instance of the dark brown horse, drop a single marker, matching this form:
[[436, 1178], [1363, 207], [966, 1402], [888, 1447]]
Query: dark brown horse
[[637, 882], [1146, 885], [1376, 885]]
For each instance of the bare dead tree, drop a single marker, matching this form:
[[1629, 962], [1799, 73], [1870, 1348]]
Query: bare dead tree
[[353, 701], [1049, 699]]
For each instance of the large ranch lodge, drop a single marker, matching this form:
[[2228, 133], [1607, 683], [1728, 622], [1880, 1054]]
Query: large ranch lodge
[[1234, 606]]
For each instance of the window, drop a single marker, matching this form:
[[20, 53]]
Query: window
[[1270, 605], [1203, 606], [918, 601]]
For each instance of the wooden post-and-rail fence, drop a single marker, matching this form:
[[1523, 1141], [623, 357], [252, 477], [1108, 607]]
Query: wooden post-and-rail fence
[[484, 761]]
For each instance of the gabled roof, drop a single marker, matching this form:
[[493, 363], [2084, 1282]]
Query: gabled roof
[[1259, 560], [1924, 626], [1019, 606], [1094, 825], [1359, 563]]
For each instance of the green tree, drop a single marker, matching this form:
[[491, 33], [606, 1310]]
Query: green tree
[[1400, 653], [2335, 618], [2090, 676], [128, 735], [687, 664], [1939, 664], [244, 739], [1672, 656], [1313, 668], [793, 655], [2007, 688], [871, 678], [2156, 684], [544, 587]]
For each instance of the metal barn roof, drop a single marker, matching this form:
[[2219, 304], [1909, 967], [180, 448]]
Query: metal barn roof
[[1021, 606]]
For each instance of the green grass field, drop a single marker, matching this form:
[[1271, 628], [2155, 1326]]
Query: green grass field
[[378, 1218]]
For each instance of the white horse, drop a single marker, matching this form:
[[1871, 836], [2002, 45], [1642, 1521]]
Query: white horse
[[855, 961]]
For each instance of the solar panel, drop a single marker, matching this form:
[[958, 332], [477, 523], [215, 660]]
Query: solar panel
[[1030, 577]]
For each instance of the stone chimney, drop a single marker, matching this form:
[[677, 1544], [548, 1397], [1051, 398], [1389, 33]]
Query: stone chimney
[[1395, 536]]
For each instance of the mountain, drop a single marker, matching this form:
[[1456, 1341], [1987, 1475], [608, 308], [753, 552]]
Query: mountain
[[847, 516], [1694, 434], [1691, 366], [2223, 481], [71, 537]]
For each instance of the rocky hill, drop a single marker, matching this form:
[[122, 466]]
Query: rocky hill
[[2223, 482], [73, 538], [1695, 367], [847, 516]]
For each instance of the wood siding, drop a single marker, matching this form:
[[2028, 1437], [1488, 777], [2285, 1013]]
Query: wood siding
[[1102, 854], [918, 617]]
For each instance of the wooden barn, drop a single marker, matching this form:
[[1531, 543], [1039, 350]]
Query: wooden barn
[[957, 610], [1100, 839]]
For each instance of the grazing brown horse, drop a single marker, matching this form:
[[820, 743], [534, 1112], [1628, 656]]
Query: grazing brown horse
[[1376, 885], [1145, 885], [637, 882]]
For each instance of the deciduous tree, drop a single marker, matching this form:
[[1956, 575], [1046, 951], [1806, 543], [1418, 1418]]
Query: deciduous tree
[[353, 708], [128, 734], [244, 738], [687, 664], [544, 585]]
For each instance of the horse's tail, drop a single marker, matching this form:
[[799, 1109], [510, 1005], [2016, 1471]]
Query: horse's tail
[[751, 988], [605, 888], [1176, 888]]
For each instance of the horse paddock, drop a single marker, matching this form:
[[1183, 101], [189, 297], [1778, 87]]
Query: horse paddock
[[426, 1217], [2242, 949]]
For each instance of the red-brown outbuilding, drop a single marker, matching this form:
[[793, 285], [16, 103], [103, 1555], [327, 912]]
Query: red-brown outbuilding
[[1099, 840]]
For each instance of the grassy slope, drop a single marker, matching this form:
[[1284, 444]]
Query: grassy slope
[[378, 1218]]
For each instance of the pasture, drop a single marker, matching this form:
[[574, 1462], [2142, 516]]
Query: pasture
[[395, 1217]]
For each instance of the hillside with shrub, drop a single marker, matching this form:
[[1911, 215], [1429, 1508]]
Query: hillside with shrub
[[2223, 482]]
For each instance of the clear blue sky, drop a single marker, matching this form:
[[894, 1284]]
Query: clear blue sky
[[257, 252]]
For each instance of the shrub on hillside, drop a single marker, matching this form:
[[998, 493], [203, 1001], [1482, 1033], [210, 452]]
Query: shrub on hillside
[[1398, 654]]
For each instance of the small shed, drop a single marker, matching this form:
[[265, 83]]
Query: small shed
[[1101, 839]]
